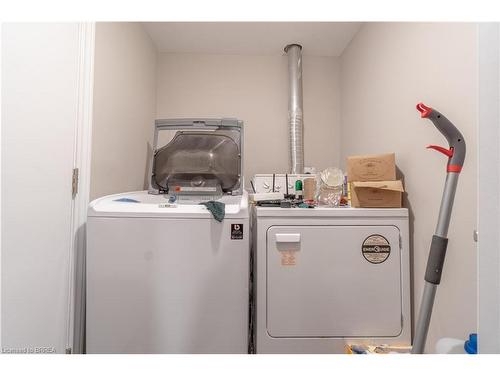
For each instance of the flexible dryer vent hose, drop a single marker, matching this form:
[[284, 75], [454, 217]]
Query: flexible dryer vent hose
[[295, 113]]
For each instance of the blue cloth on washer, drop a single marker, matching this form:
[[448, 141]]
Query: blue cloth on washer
[[218, 209], [127, 200]]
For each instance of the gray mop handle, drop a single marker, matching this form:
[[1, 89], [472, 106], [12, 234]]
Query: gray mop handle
[[437, 253]]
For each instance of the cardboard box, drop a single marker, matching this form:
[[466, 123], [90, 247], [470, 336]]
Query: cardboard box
[[377, 194], [381, 167]]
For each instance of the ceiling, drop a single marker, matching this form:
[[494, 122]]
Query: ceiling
[[251, 38]]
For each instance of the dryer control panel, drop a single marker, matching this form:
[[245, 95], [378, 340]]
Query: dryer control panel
[[277, 182]]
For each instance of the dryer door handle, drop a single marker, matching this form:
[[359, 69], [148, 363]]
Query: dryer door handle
[[288, 237]]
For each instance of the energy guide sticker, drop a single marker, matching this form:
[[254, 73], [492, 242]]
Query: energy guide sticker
[[376, 249]]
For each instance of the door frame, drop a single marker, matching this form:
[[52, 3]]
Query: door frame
[[82, 161], [488, 199]]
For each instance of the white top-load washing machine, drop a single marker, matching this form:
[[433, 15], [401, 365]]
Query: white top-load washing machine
[[325, 278], [163, 276]]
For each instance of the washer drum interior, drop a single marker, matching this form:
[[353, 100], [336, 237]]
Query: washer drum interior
[[197, 157]]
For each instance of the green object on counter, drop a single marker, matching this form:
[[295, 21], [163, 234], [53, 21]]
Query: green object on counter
[[305, 205], [298, 185]]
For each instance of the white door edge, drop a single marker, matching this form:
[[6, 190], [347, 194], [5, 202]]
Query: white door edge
[[0, 210], [82, 161], [488, 188]]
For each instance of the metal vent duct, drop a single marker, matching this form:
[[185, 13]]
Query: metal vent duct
[[294, 53]]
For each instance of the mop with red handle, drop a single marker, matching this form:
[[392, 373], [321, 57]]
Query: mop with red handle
[[456, 156]]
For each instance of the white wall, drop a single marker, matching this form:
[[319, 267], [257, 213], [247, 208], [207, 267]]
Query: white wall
[[385, 71], [124, 107], [255, 90]]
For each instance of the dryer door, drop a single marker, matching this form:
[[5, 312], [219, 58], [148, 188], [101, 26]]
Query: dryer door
[[334, 281]]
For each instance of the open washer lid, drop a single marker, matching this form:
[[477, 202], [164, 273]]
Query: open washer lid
[[197, 157]]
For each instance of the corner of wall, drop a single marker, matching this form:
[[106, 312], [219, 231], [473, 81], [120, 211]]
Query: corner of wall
[[124, 107]]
